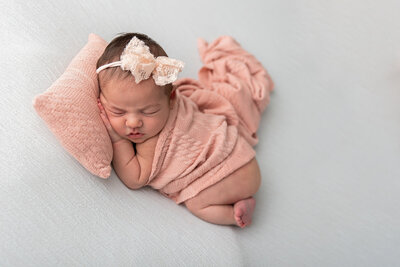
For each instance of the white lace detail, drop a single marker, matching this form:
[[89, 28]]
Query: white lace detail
[[166, 70], [137, 58]]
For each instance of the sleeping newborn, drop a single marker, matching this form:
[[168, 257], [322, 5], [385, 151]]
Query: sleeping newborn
[[190, 140]]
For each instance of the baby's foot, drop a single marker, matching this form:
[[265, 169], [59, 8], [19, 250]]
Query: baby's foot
[[243, 211]]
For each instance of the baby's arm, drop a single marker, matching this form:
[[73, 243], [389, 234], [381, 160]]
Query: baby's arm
[[134, 170], [126, 165]]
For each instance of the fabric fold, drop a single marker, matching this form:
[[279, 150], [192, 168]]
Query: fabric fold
[[213, 123]]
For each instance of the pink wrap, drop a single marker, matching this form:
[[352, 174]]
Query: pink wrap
[[212, 127]]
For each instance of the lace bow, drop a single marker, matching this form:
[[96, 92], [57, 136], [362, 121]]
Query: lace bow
[[137, 58]]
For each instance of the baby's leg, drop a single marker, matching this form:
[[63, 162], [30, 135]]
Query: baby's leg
[[229, 201]]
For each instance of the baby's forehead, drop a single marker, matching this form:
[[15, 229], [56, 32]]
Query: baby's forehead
[[126, 81], [114, 75], [128, 87]]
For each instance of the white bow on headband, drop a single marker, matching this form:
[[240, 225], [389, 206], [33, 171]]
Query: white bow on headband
[[137, 58]]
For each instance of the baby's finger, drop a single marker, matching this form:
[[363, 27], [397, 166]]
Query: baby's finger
[[103, 114], [113, 135], [105, 120], [100, 106]]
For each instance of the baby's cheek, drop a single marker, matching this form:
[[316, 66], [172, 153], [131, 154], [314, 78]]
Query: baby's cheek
[[162, 121], [116, 123], [156, 124]]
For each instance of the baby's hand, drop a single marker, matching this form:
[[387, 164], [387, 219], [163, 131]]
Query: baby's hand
[[113, 134]]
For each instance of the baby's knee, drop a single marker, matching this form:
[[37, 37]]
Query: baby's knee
[[192, 205]]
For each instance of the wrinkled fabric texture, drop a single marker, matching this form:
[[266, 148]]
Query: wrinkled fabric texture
[[213, 124]]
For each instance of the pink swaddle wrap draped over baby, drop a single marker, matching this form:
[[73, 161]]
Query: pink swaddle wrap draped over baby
[[212, 126]]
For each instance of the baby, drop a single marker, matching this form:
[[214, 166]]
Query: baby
[[185, 139]]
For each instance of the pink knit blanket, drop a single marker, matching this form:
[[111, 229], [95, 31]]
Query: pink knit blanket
[[213, 125]]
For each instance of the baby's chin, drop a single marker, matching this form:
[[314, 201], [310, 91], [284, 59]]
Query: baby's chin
[[138, 139]]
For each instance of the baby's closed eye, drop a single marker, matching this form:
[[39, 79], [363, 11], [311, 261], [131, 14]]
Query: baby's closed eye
[[115, 112], [150, 112]]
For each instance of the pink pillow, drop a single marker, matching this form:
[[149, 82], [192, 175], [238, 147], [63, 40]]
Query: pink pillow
[[69, 108]]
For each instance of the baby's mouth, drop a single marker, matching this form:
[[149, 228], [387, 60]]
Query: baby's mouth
[[135, 135]]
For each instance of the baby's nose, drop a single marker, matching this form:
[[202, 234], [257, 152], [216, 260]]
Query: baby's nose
[[134, 122]]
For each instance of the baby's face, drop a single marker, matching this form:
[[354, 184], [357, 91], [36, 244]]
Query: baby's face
[[136, 112]]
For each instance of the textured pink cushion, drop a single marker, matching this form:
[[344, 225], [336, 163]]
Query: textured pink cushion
[[69, 107]]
